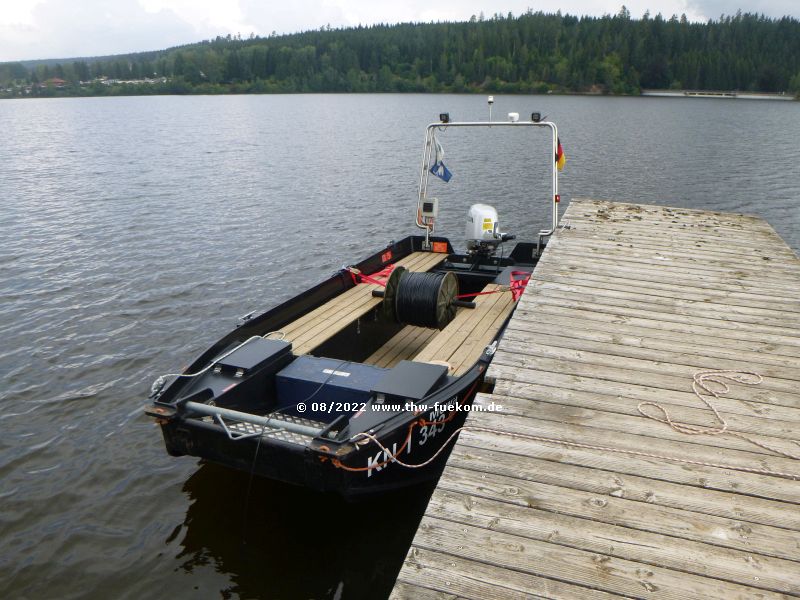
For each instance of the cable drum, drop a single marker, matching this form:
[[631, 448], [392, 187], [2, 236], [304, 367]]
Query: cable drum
[[421, 299]]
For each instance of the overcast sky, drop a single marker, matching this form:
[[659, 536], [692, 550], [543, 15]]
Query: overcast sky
[[32, 29]]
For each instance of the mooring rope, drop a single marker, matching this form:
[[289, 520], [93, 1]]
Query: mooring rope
[[701, 382], [704, 380]]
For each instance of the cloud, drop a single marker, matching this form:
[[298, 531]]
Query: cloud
[[713, 9], [292, 16], [64, 28], [209, 18]]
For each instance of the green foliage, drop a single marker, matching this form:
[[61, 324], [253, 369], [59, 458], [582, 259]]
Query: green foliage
[[531, 53], [12, 72], [794, 85]]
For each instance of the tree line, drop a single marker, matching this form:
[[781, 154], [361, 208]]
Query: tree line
[[530, 53]]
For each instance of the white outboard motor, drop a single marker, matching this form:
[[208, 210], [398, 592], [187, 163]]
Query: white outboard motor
[[483, 230]]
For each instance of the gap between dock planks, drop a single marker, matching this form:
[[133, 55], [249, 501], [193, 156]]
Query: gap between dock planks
[[624, 307]]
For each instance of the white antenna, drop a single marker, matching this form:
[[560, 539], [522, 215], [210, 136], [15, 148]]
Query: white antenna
[[490, 101]]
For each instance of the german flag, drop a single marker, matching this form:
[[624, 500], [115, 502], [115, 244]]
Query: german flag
[[560, 158]]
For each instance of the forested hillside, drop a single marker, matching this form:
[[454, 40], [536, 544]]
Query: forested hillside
[[534, 52]]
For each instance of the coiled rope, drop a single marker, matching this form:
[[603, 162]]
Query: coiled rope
[[706, 381]]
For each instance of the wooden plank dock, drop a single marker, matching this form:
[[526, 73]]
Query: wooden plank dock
[[626, 306]]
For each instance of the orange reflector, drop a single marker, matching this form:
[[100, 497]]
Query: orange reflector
[[440, 247], [386, 256]]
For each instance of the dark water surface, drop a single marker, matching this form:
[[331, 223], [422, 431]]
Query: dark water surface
[[134, 231]]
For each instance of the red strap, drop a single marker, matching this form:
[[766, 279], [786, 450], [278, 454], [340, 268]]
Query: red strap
[[479, 294], [519, 280], [363, 278]]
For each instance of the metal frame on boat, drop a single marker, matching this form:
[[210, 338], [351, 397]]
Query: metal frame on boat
[[444, 124]]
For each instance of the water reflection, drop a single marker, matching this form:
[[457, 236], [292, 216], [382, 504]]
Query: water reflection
[[280, 541]]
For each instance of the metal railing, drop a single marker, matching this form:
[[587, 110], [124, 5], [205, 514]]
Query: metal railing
[[427, 223]]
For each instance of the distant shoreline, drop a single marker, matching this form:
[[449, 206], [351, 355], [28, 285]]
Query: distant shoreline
[[531, 53], [130, 90], [731, 94]]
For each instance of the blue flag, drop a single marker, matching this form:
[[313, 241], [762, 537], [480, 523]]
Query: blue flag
[[441, 171], [438, 168]]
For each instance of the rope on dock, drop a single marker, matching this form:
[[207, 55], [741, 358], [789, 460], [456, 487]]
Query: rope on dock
[[704, 380], [701, 381]]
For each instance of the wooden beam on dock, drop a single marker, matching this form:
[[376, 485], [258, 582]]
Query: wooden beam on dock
[[627, 304]]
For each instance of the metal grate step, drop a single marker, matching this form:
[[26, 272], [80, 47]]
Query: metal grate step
[[277, 433]]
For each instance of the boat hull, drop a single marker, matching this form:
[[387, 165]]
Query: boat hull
[[362, 470]]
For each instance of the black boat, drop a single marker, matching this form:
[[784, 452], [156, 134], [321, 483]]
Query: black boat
[[341, 387]]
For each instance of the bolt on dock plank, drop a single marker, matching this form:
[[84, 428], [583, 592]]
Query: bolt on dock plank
[[625, 306]]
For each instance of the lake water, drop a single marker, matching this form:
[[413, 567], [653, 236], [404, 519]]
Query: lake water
[[134, 231]]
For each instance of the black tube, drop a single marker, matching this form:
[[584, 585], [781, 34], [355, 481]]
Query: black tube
[[463, 303]]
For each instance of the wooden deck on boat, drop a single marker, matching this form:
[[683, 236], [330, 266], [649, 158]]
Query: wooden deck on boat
[[625, 307], [459, 344], [321, 324]]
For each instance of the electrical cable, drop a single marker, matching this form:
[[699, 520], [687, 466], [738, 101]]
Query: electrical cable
[[158, 384], [425, 299]]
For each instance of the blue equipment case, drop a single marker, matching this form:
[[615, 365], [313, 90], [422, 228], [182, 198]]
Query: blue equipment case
[[344, 382]]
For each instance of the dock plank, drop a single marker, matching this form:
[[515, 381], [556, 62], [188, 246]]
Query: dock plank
[[627, 419], [771, 310], [658, 281], [581, 567], [523, 398], [546, 465], [736, 566], [747, 485], [478, 581], [625, 514], [533, 365], [636, 343], [653, 328], [675, 363], [637, 441], [568, 381], [625, 306]]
